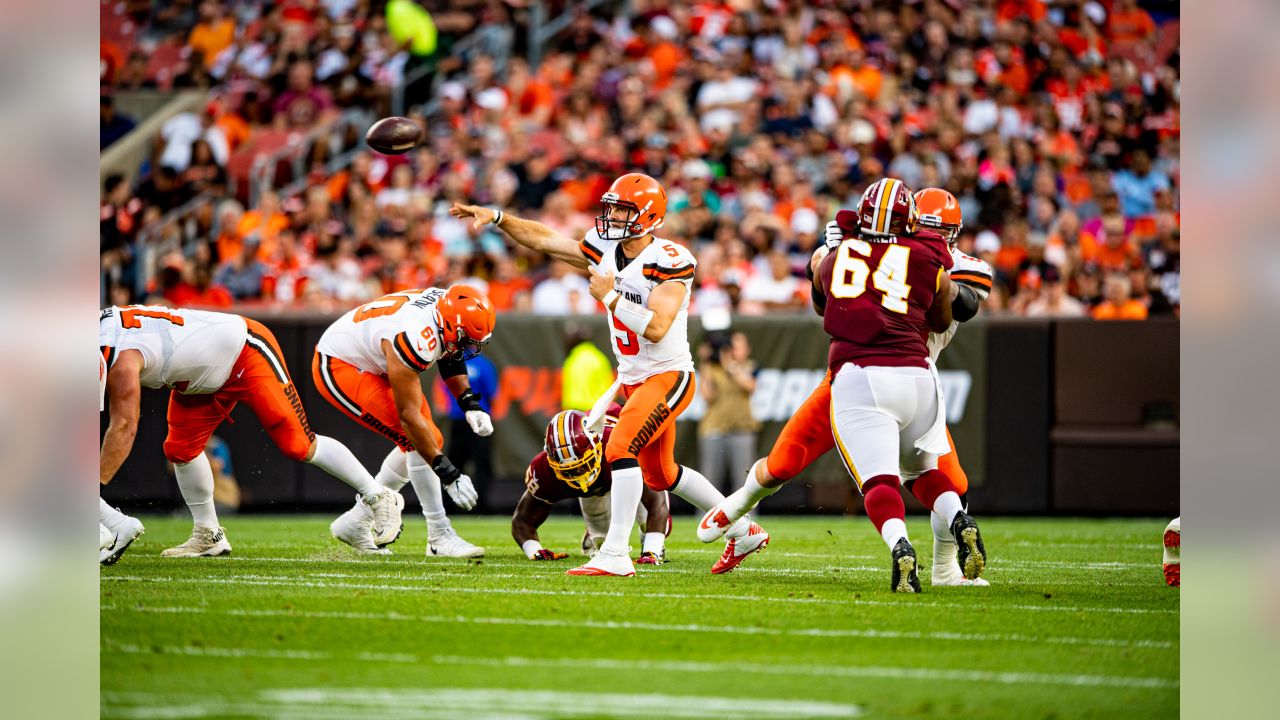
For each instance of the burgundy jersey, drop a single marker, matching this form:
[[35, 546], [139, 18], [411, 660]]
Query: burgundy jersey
[[542, 483], [877, 297]]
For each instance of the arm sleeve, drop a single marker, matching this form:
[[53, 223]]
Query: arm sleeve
[[451, 367], [966, 303]]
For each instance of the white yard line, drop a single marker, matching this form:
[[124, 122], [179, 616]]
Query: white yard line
[[655, 627], [905, 605], [837, 671]]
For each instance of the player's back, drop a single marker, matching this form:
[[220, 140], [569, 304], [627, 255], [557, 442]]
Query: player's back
[[191, 350], [878, 295], [406, 319]]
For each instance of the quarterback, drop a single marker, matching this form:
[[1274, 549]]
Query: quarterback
[[571, 467], [644, 283], [367, 365], [212, 361]]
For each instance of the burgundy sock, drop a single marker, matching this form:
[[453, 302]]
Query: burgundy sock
[[882, 500]]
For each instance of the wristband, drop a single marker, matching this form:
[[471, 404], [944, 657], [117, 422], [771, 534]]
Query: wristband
[[634, 316], [445, 470], [469, 400], [497, 217], [531, 548], [609, 298]]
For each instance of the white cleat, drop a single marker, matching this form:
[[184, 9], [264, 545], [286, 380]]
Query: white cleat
[[355, 528], [606, 564], [946, 569], [449, 544], [386, 506], [204, 542], [120, 539], [715, 523]]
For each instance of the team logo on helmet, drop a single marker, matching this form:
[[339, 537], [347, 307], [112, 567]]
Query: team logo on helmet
[[572, 451]]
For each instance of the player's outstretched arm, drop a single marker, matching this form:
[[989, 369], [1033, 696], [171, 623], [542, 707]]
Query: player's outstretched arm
[[529, 515], [124, 387], [529, 233]]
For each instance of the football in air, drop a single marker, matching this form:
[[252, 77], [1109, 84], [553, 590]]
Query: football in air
[[393, 135]]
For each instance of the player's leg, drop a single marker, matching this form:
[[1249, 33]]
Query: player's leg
[[1172, 565], [595, 517], [648, 405], [121, 530], [920, 438], [192, 420], [355, 526], [805, 438], [946, 570], [866, 413], [653, 530]]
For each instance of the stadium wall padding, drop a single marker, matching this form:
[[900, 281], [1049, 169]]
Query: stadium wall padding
[[1048, 416]]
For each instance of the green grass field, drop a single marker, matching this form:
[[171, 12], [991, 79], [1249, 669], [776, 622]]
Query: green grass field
[[1077, 623]]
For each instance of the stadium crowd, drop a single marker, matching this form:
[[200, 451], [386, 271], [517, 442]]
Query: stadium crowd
[[1056, 124]]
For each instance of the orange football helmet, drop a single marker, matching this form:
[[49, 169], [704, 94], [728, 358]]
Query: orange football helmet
[[939, 211], [645, 202], [466, 319]]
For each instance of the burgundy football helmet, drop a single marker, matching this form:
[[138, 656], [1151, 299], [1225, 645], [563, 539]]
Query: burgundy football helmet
[[887, 209], [572, 451]]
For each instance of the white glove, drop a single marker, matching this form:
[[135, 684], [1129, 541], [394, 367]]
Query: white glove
[[480, 422], [832, 236], [462, 492]]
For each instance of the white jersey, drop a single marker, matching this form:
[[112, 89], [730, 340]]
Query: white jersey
[[406, 319], [192, 351], [661, 261], [972, 272]]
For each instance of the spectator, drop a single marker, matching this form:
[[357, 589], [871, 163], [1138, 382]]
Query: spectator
[[1138, 185], [1118, 302], [776, 290], [243, 276], [508, 288], [586, 374], [304, 104], [727, 431], [1054, 301], [265, 222], [564, 292], [214, 33], [112, 125]]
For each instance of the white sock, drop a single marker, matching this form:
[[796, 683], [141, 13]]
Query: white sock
[[941, 528], [334, 458], [109, 516], [395, 470], [892, 531], [624, 498], [944, 556], [195, 480], [653, 542], [699, 492], [745, 498], [427, 484], [947, 506]]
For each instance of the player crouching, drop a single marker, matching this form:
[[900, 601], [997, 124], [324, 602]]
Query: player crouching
[[571, 467]]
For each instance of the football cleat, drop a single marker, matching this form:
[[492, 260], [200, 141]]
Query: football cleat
[[448, 543], [652, 558], [204, 542], [606, 564], [590, 545], [1173, 553], [714, 524], [971, 554], [355, 528], [904, 578], [121, 538], [386, 506], [737, 549]]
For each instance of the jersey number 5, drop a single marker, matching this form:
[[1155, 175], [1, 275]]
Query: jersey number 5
[[849, 276], [627, 343]]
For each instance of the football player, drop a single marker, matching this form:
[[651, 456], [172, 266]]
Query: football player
[[570, 467], [644, 283], [116, 531], [367, 365], [1172, 565], [807, 434], [212, 361]]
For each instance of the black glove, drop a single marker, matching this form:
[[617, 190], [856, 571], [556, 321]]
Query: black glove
[[445, 470], [469, 401]]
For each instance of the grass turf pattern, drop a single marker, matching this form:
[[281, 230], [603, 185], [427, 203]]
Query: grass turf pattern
[[1077, 623]]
